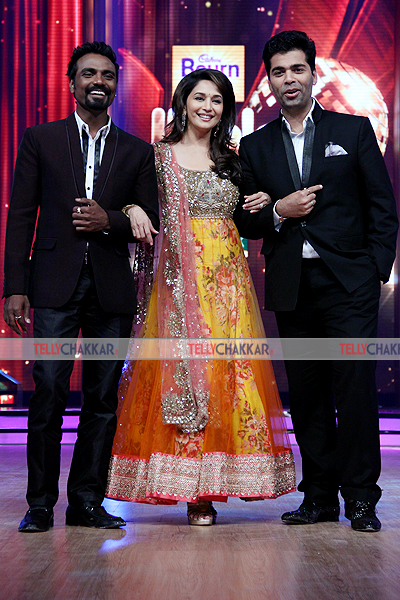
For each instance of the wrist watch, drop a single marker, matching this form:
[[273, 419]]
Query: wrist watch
[[281, 219]]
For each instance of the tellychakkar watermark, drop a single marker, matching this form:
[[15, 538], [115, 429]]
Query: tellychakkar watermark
[[200, 349]]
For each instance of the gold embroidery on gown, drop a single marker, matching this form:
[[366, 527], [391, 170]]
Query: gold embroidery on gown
[[244, 449]]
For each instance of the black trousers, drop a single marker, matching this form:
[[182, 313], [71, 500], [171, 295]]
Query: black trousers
[[344, 453], [88, 474]]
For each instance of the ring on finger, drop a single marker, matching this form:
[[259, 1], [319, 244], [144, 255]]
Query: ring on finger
[[79, 210], [17, 317]]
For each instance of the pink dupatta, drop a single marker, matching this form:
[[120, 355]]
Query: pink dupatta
[[185, 385]]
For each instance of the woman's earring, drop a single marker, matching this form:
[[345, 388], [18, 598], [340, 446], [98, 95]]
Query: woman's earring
[[217, 129], [183, 119]]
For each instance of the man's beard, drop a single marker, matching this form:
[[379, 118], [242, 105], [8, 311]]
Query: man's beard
[[98, 103]]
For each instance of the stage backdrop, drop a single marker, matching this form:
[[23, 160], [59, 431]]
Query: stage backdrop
[[157, 42]]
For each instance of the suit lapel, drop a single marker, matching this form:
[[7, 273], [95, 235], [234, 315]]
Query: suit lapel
[[291, 157], [307, 152], [75, 153], [318, 148], [288, 167], [107, 162]]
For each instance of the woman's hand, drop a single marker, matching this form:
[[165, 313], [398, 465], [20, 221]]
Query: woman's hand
[[142, 227], [256, 202]]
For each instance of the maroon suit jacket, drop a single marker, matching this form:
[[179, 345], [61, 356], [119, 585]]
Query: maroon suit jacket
[[49, 175]]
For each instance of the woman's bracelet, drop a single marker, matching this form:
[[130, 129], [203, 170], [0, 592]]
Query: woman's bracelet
[[126, 208]]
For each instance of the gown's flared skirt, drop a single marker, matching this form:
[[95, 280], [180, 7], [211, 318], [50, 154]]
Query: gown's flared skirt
[[244, 449]]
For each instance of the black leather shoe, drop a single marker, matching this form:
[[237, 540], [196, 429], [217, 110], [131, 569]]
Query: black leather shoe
[[91, 514], [309, 513], [362, 515], [37, 519]]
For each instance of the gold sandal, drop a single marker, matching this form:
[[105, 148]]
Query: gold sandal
[[201, 513]]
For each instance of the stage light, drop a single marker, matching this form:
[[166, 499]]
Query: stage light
[[7, 399]]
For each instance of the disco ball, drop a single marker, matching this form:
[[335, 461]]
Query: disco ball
[[341, 88]]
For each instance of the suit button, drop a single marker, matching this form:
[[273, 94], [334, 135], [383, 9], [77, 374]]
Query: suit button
[[303, 224]]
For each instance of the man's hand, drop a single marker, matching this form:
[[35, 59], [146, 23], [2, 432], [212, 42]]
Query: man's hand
[[16, 312], [88, 216], [256, 202], [299, 204], [142, 227]]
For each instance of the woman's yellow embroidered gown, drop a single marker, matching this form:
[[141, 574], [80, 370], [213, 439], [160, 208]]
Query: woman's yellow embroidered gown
[[244, 449]]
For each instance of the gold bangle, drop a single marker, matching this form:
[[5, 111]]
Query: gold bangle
[[126, 208]]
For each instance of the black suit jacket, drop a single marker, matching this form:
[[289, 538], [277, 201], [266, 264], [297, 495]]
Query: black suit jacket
[[353, 224], [49, 175]]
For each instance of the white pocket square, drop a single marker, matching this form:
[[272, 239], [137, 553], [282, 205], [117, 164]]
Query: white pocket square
[[332, 149]]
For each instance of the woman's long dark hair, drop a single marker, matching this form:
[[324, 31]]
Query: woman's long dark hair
[[222, 151]]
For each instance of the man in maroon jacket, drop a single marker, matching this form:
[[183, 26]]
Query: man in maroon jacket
[[81, 172]]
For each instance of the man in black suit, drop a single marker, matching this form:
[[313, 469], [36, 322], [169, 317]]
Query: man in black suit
[[329, 228], [81, 172]]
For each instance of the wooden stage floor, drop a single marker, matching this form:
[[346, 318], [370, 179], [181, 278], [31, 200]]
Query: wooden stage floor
[[248, 555]]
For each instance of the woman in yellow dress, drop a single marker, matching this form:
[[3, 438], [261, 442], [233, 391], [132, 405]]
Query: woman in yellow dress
[[195, 430]]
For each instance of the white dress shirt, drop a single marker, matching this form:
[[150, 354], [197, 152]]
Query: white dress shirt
[[102, 134]]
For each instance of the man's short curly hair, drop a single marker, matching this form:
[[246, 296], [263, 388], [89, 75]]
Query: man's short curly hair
[[91, 48]]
